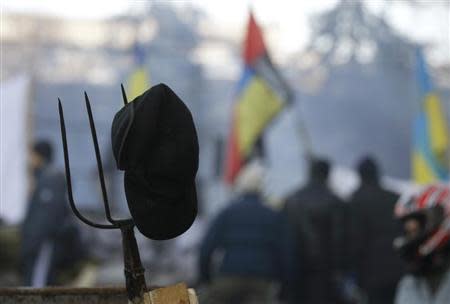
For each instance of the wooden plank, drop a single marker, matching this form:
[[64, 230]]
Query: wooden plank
[[175, 294]]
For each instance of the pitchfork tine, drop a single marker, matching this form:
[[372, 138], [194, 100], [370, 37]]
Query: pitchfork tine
[[68, 178], [99, 160], [124, 95]]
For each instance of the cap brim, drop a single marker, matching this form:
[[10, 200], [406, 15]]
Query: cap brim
[[121, 126], [160, 220]]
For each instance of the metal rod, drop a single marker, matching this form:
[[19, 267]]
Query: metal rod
[[99, 160], [68, 177], [124, 95], [133, 270]]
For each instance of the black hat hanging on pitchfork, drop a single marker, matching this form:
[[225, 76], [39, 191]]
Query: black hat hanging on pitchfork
[[155, 142]]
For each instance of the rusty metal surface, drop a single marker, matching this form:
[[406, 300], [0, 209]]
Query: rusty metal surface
[[60, 295]]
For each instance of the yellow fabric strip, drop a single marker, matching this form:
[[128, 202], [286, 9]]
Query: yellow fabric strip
[[422, 173], [256, 107], [138, 83], [437, 128]]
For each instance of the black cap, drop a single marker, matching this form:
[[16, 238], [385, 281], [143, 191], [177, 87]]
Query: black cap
[[155, 142]]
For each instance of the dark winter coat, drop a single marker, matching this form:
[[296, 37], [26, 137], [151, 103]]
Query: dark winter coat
[[315, 217], [46, 211], [47, 219], [248, 234], [372, 231]]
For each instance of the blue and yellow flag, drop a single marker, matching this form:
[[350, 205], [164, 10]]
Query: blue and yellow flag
[[430, 157], [261, 94], [138, 81]]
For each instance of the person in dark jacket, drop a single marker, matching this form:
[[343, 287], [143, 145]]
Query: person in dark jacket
[[48, 238], [314, 215], [247, 234], [373, 262]]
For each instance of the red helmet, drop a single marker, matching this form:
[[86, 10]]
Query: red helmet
[[431, 208]]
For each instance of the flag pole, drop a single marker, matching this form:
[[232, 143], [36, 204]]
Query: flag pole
[[304, 137]]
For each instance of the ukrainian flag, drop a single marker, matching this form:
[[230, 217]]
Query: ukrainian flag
[[261, 95], [430, 157]]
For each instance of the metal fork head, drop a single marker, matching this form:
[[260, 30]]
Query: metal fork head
[[124, 95], [134, 272], [114, 223]]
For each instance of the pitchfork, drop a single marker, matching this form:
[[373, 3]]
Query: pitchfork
[[134, 272]]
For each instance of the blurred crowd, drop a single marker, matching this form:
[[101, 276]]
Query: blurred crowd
[[315, 248], [375, 248]]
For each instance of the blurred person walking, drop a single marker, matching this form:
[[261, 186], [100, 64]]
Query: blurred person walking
[[49, 239], [247, 234], [372, 261], [425, 246], [314, 216]]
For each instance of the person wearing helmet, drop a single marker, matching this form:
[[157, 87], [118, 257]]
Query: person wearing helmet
[[425, 246]]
